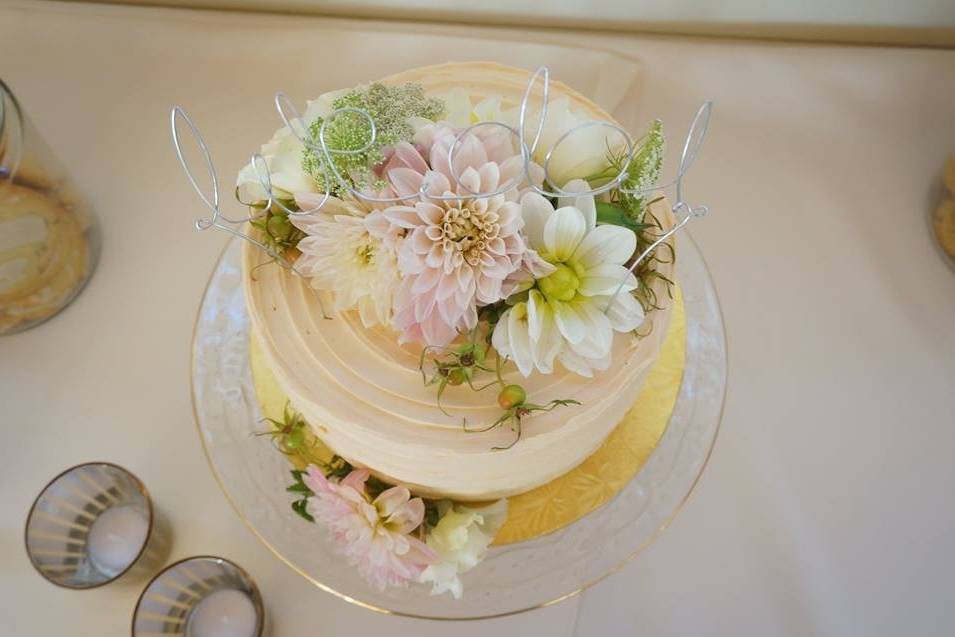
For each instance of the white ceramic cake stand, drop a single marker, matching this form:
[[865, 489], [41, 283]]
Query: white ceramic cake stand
[[514, 578]]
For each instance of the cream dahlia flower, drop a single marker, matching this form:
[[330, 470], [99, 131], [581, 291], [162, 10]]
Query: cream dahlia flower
[[566, 314], [460, 540], [352, 253]]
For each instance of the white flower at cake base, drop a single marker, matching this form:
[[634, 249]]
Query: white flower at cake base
[[568, 313], [457, 252], [461, 539], [351, 254], [374, 535]]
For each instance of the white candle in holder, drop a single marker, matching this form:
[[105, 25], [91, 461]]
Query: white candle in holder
[[116, 538], [224, 613]]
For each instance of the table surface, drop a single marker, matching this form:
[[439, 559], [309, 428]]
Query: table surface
[[826, 507]]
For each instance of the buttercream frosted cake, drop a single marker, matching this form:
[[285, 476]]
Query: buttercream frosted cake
[[459, 292]]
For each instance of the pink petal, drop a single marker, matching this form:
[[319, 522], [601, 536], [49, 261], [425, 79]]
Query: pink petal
[[436, 183], [421, 553], [356, 479], [315, 480], [448, 285], [391, 500], [406, 182], [406, 156], [430, 213], [425, 281], [403, 216]]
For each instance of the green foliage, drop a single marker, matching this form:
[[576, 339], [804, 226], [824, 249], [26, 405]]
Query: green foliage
[[643, 170], [390, 107], [633, 211], [611, 214], [299, 487], [276, 229]]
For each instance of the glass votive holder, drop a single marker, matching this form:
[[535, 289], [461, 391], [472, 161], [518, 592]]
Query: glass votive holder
[[49, 238], [202, 596], [94, 524]]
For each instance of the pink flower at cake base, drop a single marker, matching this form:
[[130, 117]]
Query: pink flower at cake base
[[374, 535]]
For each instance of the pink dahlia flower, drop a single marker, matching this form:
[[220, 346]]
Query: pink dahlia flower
[[481, 145], [456, 253], [374, 535]]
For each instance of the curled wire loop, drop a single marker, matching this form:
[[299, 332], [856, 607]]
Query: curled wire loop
[[526, 135]]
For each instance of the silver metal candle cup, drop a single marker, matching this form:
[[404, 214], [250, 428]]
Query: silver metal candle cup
[[166, 604], [58, 526]]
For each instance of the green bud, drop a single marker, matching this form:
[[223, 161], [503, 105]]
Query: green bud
[[456, 376], [511, 396], [279, 227]]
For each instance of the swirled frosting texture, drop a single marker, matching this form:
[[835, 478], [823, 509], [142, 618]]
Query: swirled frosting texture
[[363, 393]]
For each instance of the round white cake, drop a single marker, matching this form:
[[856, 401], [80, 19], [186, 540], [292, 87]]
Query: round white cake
[[363, 393]]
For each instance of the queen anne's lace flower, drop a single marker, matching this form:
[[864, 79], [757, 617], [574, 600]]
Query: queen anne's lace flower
[[374, 535], [566, 314]]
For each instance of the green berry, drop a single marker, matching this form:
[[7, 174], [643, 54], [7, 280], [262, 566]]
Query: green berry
[[294, 440], [511, 396], [279, 227], [456, 376]]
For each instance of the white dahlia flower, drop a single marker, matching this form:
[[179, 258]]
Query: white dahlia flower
[[566, 314]]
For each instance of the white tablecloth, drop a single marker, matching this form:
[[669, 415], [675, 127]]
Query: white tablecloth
[[827, 506]]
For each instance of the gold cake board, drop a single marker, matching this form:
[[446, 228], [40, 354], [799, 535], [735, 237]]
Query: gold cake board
[[573, 495]]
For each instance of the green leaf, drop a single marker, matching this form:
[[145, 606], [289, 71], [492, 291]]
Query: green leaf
[[300, 507], [298, 487], [609, 214]]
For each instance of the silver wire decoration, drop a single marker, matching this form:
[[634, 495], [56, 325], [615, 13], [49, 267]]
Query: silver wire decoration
[[683, 211]]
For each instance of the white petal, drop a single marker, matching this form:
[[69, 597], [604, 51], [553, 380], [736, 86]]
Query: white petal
[[584, 203], [549, 342], [570, 324], [520, 340], [625, 314], [534, 300], [500, 339], [470, 182], [575, 363], [563, 232], [536, 211], [490, 177], [458, 106], [598, 337], [605, 279], [606, 244]]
